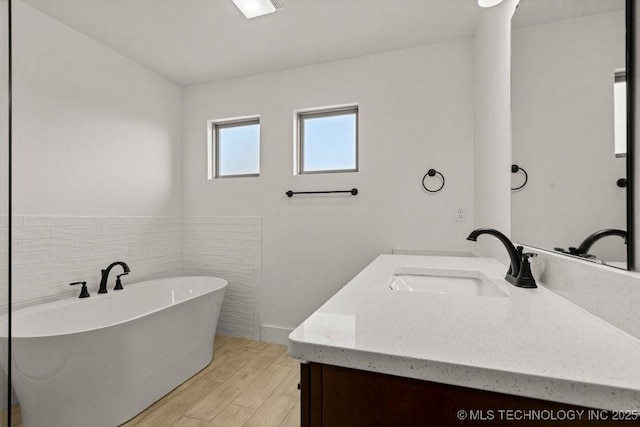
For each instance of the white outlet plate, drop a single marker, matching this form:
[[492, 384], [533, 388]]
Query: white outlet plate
[[461, 215]]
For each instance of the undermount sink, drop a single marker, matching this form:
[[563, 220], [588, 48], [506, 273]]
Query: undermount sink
[[444, 282]]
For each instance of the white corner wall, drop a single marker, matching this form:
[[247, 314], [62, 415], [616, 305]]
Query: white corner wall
[[492, 146], [416, 113], [94, 132]]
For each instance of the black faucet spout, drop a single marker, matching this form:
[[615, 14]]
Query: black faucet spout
[[514, 255], [105, 275]]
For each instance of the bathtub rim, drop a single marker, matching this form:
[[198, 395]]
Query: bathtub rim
[[70, 301]]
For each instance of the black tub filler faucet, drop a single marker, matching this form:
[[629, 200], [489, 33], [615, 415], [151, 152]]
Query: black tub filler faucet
[[105, 276]]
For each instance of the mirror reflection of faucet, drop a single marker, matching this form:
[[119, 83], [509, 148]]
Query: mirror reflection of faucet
[[583, 249], [519, 273]]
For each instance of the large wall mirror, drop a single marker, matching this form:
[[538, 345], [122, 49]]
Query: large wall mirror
[[568, 101]]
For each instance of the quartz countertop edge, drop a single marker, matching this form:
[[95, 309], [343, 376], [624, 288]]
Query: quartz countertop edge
[[533, 343]]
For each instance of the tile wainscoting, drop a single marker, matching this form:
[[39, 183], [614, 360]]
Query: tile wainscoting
[[230, 248], [49, 252]]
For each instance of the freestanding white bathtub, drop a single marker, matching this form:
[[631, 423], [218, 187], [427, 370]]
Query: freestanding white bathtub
[[99, 361]]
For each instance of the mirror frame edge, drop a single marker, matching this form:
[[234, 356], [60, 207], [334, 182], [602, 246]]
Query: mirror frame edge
[[9, 211], [10, 199], [630, 68]]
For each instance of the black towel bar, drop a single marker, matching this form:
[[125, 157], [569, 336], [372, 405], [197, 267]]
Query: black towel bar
[[353, 191]]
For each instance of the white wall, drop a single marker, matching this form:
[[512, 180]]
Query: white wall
[[416, 113], [563, 133], [492, 149], [94, 132]]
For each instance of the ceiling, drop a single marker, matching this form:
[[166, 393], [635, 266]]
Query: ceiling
[[193, 41]]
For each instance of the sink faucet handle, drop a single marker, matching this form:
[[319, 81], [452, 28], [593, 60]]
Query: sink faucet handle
[[118, 285], [525, 278], [84, 293]]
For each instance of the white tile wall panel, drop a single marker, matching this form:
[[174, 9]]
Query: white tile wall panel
[[20, 233], [227, 247], [73, 231], [20, 283], [48, 267], [59, 250], [82, 241], [95, 220], [45, 221], [19, 258], [46, 244], [113, 230]]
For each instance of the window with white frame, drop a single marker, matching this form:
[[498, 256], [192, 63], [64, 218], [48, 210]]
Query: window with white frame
[[328, 140], [235, 148], [620, 112]]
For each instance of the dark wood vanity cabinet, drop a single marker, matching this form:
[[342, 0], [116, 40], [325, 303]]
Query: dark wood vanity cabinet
[[333, 396]]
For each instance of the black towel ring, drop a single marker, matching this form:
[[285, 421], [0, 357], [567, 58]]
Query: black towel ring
[[432, 172], [516, 169]]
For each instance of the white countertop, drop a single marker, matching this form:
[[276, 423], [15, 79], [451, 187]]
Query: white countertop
[[532, 343]]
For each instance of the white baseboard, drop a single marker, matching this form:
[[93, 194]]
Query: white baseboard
[[275, 334]]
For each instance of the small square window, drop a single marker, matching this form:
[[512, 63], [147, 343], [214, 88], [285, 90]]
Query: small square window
[[620, 113], [236, 148], [328, 141]]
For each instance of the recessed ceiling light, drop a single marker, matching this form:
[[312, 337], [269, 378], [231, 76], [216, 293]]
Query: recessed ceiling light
[[487, 3], [253, 8]]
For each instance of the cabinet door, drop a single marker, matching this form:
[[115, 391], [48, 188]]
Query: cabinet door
[[310, 394], [305, 395]]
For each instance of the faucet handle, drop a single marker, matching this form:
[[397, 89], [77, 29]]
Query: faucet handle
[[84, 293], [118, 285], [525, 278]]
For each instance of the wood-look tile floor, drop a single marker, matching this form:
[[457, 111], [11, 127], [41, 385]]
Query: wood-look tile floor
[[248, 383]]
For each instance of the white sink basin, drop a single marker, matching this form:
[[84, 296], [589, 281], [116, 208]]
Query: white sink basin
[[444, 282]]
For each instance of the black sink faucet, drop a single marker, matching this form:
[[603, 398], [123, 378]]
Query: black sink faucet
[[516, 275], [105, 275]]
